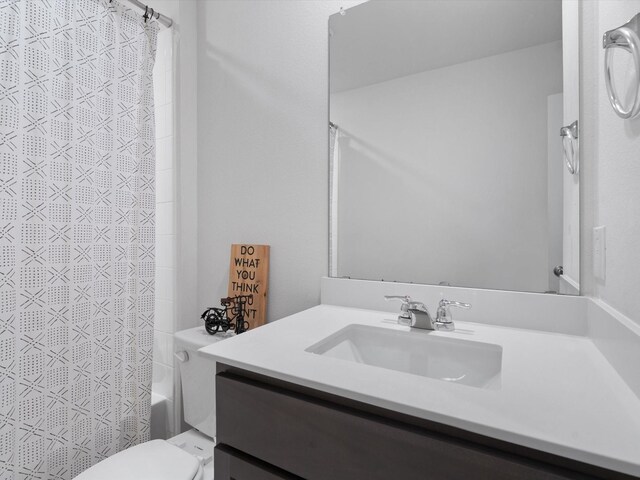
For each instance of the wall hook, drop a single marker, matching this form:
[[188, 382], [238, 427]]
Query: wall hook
[[569, 136], [626, 37]]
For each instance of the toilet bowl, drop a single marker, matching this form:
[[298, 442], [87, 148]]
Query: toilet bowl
[[189, 455]]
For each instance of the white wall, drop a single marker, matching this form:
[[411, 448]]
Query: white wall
[[417, 157], [262, 144], [555, 179], [610, 149], [570, 280], [183, 89], [245, 74], [164, 326], [185, 48]]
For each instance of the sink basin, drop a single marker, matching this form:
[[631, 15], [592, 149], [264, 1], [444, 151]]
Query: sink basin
[[465, 362]]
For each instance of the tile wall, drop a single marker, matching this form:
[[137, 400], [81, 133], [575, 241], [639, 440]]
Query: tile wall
[[163, 363]]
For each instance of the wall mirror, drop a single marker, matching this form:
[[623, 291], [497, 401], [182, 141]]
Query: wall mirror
[[446, 161]]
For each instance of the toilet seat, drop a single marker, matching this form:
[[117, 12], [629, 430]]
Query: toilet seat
[[154, 460]]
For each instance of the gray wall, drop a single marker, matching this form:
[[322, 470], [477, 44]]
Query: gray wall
[[262, 144]]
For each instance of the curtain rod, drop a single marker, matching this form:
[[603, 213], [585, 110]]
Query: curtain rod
[[151, 13]]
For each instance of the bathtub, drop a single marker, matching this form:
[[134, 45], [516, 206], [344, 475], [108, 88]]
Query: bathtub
[[159, 417]]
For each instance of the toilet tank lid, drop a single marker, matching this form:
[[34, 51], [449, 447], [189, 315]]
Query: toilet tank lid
[[196, 338], [156, 459]]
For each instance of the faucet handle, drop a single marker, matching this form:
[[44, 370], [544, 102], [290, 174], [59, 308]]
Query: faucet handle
[[444, 303], [443, 316], [404, 298], [407, 303]]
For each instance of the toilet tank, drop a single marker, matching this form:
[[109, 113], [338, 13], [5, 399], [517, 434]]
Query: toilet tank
[[197, 376]]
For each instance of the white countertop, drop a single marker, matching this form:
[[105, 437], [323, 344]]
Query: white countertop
[[558, 394]]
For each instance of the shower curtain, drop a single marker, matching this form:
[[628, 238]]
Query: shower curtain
[[77, 204]]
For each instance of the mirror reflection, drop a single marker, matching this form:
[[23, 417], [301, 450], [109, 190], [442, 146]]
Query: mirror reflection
[[446, 159]]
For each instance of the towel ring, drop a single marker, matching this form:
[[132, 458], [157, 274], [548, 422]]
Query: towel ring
[[569, 136], [626, 37]]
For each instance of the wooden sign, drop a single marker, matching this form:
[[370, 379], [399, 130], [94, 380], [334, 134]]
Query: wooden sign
[[249, 275]]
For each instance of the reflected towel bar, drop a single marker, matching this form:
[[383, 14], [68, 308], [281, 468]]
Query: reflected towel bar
[[569, 136]]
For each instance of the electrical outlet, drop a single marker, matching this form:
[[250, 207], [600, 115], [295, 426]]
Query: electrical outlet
[[599, 252]]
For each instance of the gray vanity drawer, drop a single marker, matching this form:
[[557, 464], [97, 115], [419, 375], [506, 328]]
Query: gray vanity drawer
[[319, 440]]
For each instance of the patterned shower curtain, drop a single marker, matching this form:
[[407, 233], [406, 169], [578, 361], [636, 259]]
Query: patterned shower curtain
[[77, 204]]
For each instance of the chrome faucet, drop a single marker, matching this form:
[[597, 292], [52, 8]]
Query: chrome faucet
[[417, 315]]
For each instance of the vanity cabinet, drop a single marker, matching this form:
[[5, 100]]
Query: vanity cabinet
[[285, 431], [232, 464]]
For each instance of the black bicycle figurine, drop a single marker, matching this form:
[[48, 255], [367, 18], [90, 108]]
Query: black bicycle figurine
[[216, 319]]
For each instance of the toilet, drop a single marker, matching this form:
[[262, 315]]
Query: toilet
[[189, 455]]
